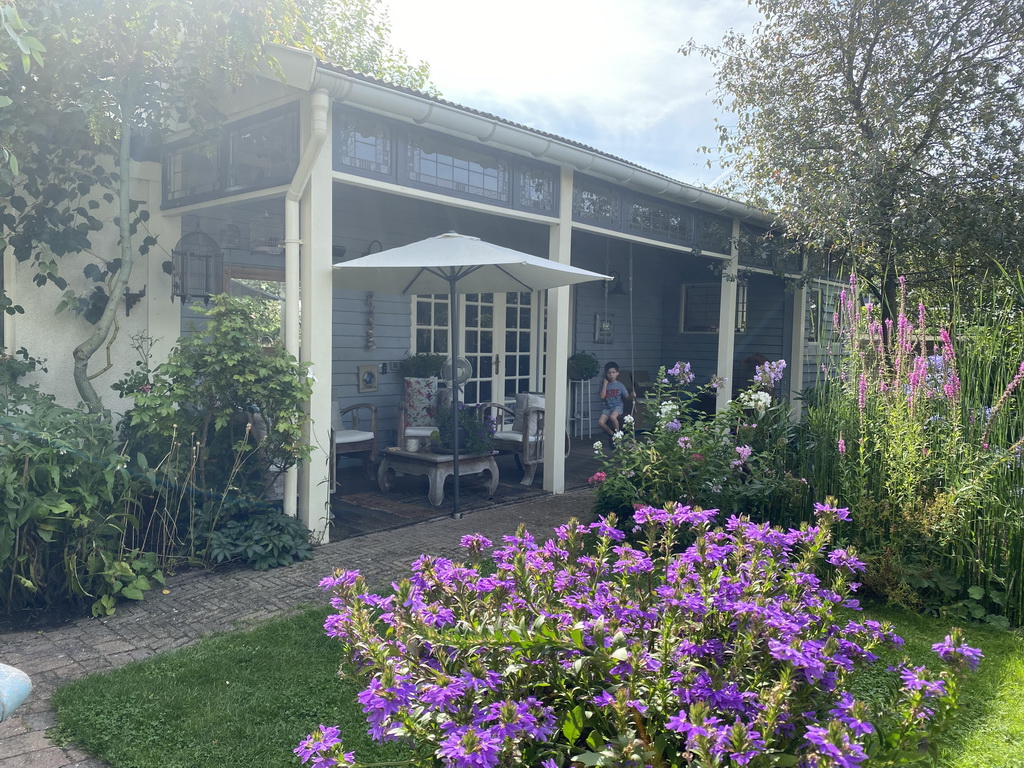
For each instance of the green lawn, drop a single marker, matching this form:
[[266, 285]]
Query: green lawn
[[239, 700], [245, 699]]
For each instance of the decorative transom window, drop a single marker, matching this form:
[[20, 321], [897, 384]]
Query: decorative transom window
[[438, 163], [716, 234], [701, 308], [364, 144], [660, 220], [595, 203]]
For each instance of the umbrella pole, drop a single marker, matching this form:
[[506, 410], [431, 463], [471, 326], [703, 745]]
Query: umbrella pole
[[454, 324]]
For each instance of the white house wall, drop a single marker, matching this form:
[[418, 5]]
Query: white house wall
[[52, 336]]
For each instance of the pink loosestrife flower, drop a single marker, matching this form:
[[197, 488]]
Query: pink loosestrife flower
[[842, 446], [862, 390]]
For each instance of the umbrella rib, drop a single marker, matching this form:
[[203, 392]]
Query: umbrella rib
[[413, 281], [527, 286]]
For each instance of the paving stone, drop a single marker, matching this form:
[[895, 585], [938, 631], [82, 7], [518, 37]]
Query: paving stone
[[23, 744], [46, 758]]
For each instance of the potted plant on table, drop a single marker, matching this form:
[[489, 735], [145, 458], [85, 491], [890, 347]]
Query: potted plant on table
[[476, 431]]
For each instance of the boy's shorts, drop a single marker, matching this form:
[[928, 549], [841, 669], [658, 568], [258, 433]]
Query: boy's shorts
[[608, 411]]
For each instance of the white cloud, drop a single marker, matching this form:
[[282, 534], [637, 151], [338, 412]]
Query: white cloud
[[603, 73]]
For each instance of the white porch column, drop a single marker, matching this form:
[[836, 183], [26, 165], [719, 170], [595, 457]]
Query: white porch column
[[316, 346], [727, 322], [798, 346], [559, 334]]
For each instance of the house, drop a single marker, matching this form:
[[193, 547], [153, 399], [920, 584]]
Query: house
[[330, 165]]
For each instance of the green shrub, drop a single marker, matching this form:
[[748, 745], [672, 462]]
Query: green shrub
[[738, 460], [264, 539], [238, 402], [71, 520]]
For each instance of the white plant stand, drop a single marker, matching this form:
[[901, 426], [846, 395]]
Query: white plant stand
[[581, 422]]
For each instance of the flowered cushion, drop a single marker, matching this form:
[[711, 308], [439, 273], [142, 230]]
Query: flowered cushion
[[419, 402]]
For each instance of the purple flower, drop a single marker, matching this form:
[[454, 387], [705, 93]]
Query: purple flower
[[835, 745], [842, 559], [830, 510], [475, 542], [314, 748], [917, 679], [470, 747], [340, 578], [954, 654], [769, 374], [685, 443]]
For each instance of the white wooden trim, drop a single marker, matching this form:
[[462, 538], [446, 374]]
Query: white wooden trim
[[559, 338], [727, 324]]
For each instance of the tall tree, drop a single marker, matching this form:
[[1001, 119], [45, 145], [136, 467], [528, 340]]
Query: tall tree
[[357, 34], [118, 72], [885, 132]]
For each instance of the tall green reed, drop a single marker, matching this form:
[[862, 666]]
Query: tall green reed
[[917, 431]]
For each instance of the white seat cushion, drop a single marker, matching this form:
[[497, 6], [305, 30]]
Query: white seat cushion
[[347, 436], [512, 438], [526, 400], [420, 431]]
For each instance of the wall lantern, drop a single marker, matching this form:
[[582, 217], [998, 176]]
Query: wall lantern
[[198, 267]]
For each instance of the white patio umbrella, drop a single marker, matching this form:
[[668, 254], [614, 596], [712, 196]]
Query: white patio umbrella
[[454, 264]]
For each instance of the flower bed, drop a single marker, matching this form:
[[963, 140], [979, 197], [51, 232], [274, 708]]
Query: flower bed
[[700, 646]]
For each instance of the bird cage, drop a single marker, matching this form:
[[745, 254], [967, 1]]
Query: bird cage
[[266, 234], [198, 267]]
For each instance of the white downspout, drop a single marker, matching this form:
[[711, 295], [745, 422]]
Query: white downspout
[[319, 105]]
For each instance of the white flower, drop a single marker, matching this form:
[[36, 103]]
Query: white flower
[[627, 420], [598, 447], [617, 436], [759, 401]]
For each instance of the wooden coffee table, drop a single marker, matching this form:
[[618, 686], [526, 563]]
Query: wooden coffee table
[[437, 467]]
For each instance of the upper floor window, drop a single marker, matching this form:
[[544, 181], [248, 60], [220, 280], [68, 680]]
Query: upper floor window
[[254, 153]]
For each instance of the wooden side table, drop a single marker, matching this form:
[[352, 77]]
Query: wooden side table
[[437, 467]]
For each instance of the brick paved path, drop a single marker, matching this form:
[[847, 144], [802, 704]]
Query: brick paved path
[[201, 603]]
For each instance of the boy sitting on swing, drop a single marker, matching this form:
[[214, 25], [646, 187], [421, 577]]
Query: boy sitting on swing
[[613, 392]]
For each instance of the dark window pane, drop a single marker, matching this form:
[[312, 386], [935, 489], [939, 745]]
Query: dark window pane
[[524, 365], [423, 339], [487, 342], [422, 313], [510, 342]]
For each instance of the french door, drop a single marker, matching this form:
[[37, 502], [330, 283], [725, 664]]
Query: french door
[[499, 339]]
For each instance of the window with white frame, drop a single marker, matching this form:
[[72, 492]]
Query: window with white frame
[[701, 305], [431, 324]]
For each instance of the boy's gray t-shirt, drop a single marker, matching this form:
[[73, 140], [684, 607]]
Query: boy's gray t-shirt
[[614, 392]]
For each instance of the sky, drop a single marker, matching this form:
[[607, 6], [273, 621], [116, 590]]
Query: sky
[[606, 73]]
